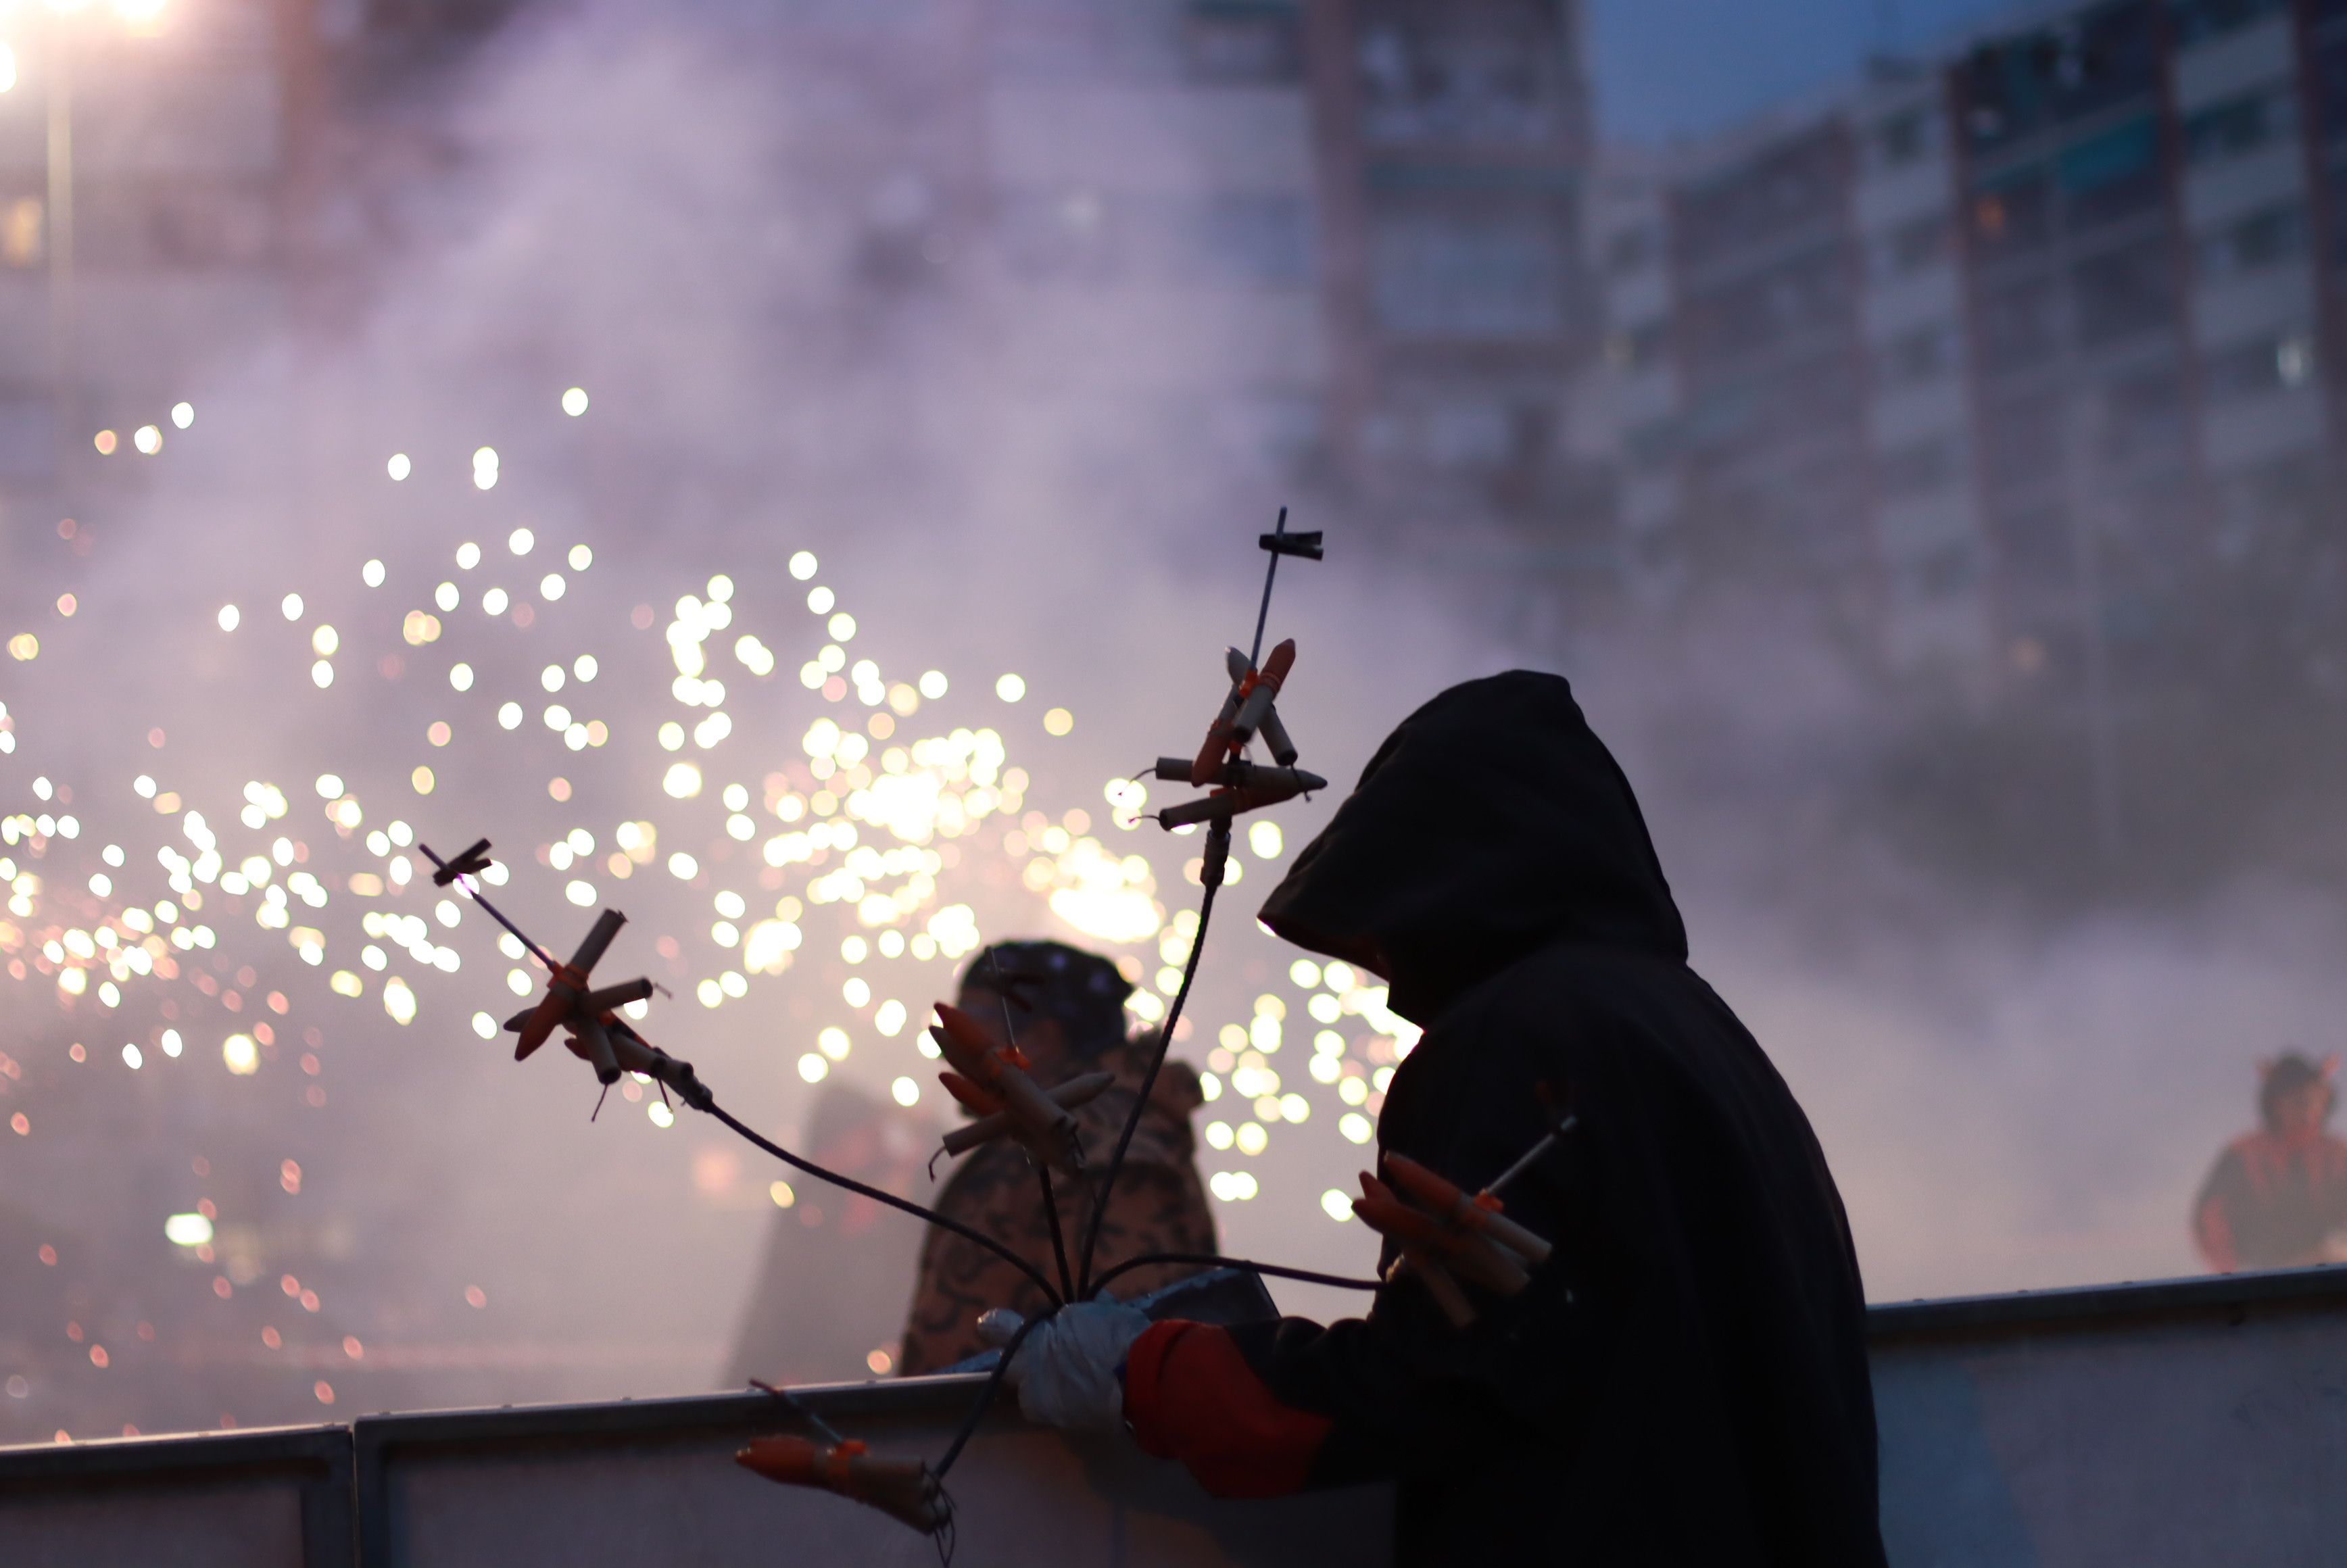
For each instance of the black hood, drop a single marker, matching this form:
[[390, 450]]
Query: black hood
[[1492, 822]]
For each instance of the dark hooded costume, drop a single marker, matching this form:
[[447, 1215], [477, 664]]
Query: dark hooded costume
[[1686, 1381]]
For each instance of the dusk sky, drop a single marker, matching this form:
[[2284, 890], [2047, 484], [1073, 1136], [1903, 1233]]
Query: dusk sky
[[1674, 67]]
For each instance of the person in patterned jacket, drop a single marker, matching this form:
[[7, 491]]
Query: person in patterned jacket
[[2278, 1197], [1067, 1009]]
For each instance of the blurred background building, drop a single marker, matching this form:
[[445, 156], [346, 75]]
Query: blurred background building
[[2018, 359]]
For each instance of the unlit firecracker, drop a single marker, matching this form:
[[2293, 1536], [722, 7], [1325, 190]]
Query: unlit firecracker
[[1445, 1236], [901, 1488], [990, 1076], [1245, 710], [990, 1125]]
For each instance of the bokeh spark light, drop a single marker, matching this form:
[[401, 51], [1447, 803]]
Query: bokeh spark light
[[810, 819]]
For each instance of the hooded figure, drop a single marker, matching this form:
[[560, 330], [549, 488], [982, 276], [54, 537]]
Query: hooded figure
[[1684, 1382]]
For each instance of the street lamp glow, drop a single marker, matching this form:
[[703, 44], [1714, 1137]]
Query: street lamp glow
[[574, 401], [7, 68], [141, 16]]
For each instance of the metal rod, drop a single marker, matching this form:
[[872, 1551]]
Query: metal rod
[[494, 913], [986, 1395], [805, 1412], [1550, 1142], [1058, 1241], [1044, 1171], [1213, 1260], [1141, 1101], [1270, 574], [878, 1195]]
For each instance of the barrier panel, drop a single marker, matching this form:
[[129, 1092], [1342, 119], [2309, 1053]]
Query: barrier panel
[[277, 1499], [2167, 1425]]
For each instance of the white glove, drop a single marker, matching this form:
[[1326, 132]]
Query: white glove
[[1070, 1372]]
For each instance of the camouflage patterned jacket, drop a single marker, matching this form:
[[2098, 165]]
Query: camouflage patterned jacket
[[1158, 1205]]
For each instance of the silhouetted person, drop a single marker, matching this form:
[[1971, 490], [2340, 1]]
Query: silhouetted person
[[1067, 1009], [2278, 1197], [1684, 1380], [836, 1263]]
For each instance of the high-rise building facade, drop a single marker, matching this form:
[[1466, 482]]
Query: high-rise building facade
[[2019, 362], [1454, 148]]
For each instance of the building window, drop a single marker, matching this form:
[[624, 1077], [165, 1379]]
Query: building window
[[1920, 468], [1464, 272], [2034, 546], [1924, 354], [2267, 239], [2283, 363], [2020, 327], [1629, 251], [1261, 240], [1640, 346], [1244, 40], [1910, 247], [1795, 184], [1951, 569], [2143, 418], [1491, 75], [2124, 292], [2240, 125], [2093, 62], [1904, 139], [2195, 20], [2013, 213], [2113, 176]]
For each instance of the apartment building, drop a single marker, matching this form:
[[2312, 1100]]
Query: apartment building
[[2018, 363]]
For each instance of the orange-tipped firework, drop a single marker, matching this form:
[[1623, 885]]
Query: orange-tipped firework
[[1248, 708], [1445, 1235], [903, 1488], [566, 992], [990, 1076], [994, 1122], [1479, 1213]]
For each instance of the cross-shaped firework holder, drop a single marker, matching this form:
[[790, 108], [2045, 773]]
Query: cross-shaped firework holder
[[990, 1076], [1249, 711]]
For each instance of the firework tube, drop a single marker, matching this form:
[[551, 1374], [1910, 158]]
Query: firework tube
[[1218, 744], [1479, 1213], [901, 1488], [996, 1123], [1260, 690], [1417, 1231], [1042, 1123]]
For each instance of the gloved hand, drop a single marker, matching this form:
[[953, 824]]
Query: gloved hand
[[1070, 1372]]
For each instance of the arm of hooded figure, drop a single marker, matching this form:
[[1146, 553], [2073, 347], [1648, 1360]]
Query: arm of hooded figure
[[1263, 1409]]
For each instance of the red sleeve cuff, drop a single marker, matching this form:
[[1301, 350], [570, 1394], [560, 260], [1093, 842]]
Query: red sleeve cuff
[[1191, 1396]]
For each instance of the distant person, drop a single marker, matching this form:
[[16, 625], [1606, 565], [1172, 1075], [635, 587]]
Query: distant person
[[1067, 1009], [2278, 1197], [835, 1263]]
